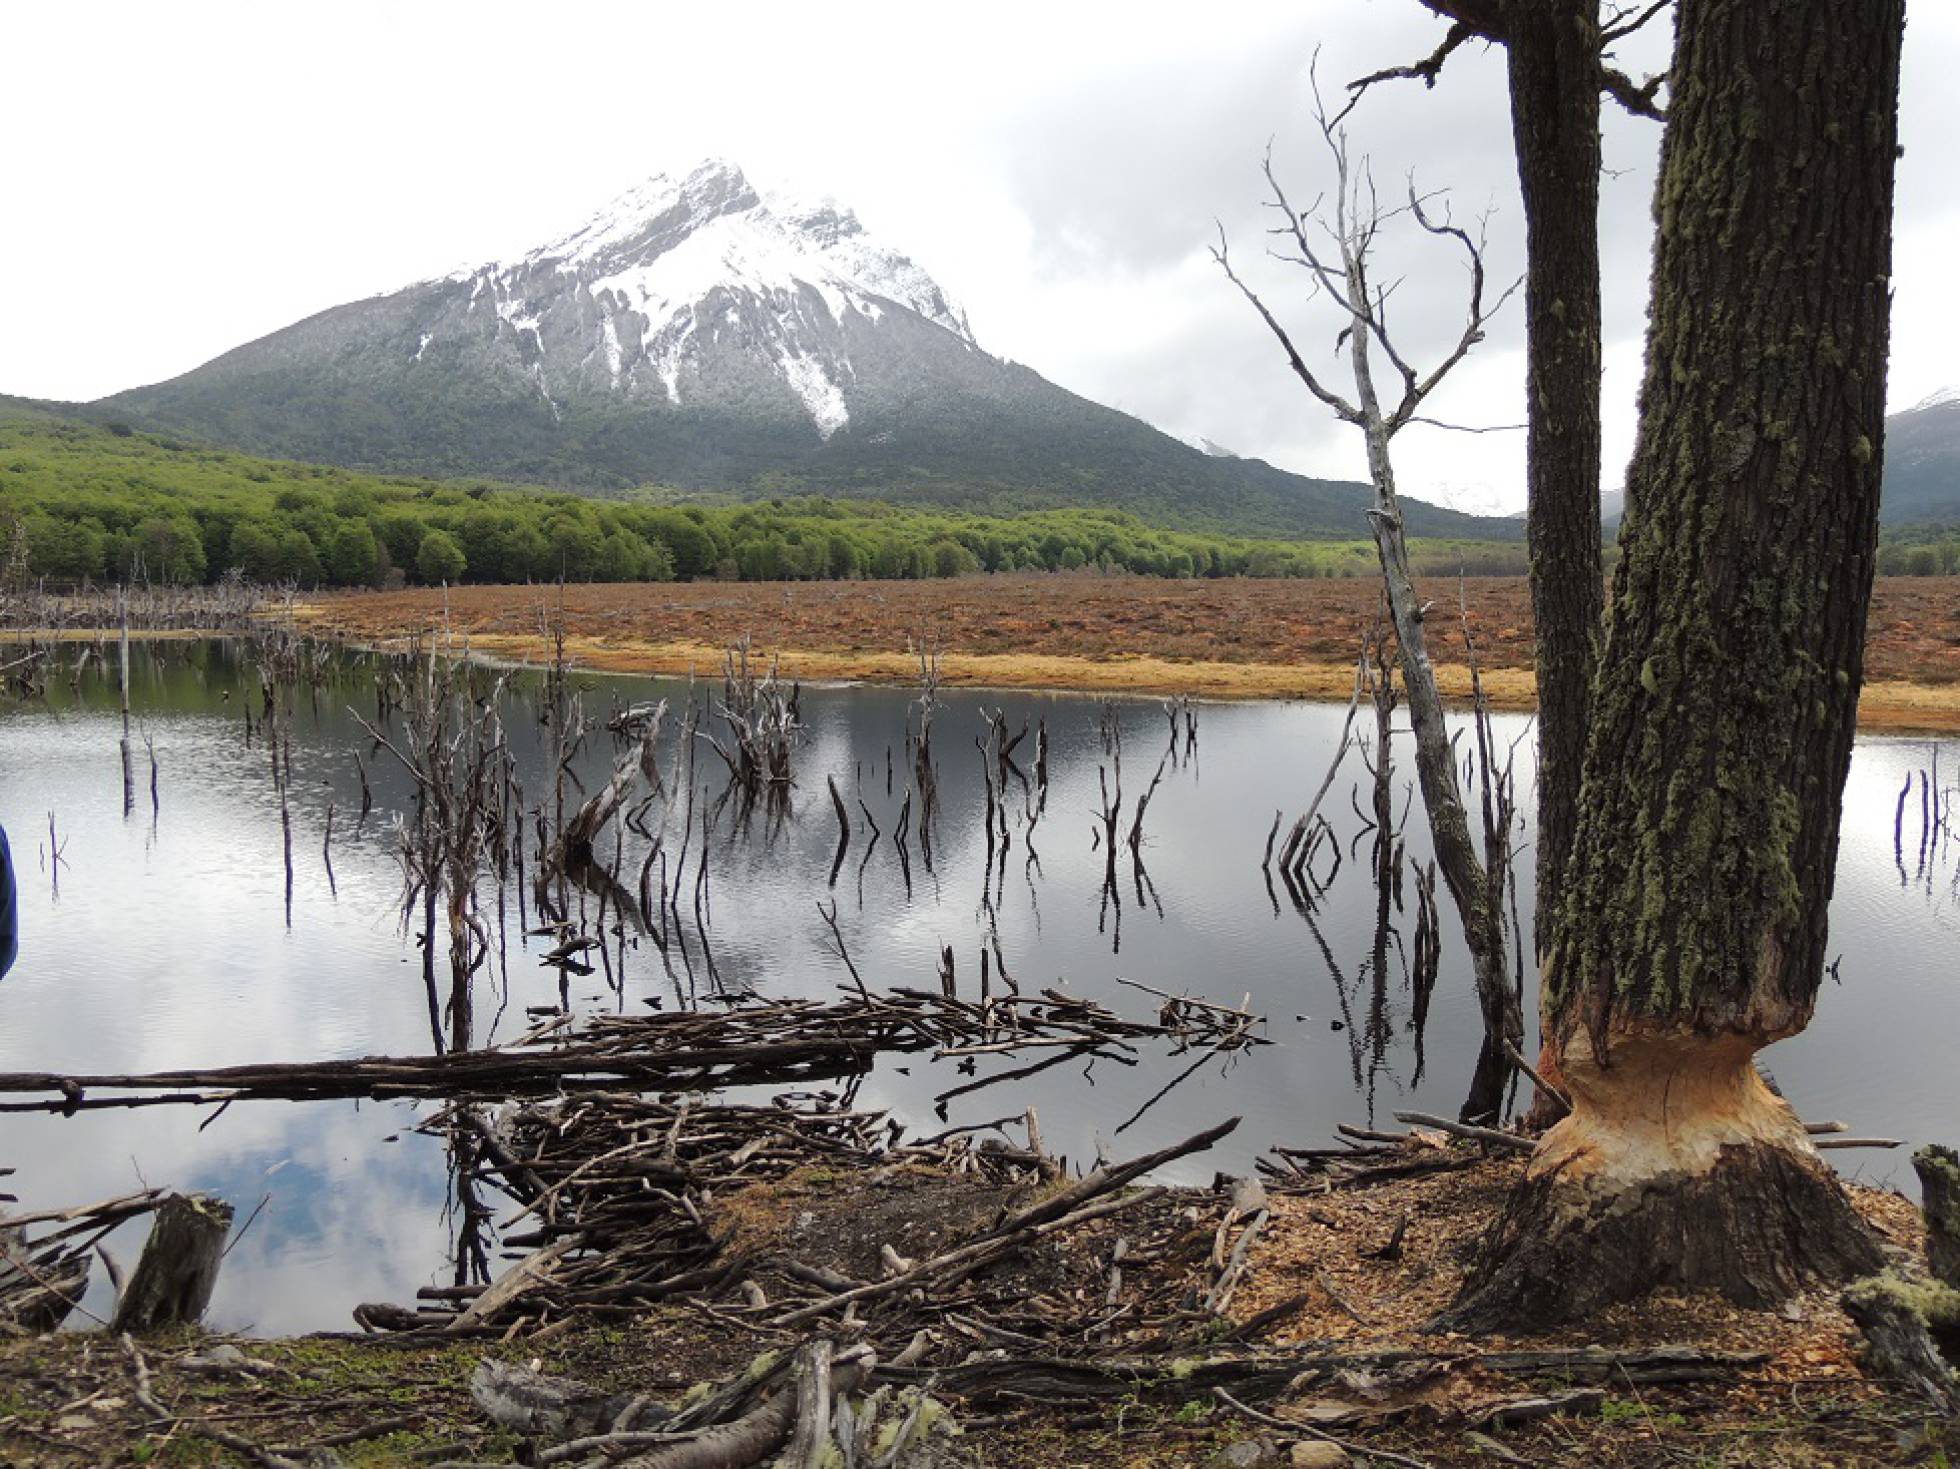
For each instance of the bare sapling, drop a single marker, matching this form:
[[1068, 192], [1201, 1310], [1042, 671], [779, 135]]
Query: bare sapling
[[1334, 242]]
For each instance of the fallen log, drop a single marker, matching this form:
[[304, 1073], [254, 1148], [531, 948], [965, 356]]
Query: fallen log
[[1464, 1130], [765, 1428], [536, 1405], [1856, 1142], [778, 1041], [1056, 1379]]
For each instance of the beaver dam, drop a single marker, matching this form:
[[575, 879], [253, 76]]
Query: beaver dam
[[606, 1069]]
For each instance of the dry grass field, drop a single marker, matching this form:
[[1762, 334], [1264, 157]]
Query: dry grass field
[[1236, 638]]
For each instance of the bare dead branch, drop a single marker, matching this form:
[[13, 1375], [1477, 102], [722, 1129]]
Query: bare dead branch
[[1488, 20], [1623, 23], [1424, 71], [1475, 318], [1468, 428], [1345, 410]]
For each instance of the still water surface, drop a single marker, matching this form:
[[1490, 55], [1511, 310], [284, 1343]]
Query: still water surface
[[161, 939]]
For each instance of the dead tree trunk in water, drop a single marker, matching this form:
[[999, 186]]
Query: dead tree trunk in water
[[122, 684], [1356, 218], [1693, 930]]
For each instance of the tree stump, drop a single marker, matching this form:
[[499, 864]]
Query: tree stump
[[1895, 1315], [1912, 1325], [173, 1280], [1939, 1183]]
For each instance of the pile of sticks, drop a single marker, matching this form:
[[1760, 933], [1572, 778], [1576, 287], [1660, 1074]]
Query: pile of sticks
[[615, 1192], [623, 1200], [44, 1275], [1067, 1297]]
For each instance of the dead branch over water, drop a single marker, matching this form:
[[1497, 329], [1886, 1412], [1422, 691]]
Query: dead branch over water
[[780, 1041]]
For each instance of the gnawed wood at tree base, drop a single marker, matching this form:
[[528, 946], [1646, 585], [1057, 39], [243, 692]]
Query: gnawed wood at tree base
[[1693, 925], [1676, 1167], [178, 1270]]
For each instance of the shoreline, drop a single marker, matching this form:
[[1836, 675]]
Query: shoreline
[[1885, 706], [1892, 707]]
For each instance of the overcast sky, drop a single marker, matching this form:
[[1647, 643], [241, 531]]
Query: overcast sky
[[182, 178]]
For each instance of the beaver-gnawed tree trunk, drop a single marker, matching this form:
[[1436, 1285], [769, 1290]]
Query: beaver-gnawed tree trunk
[[1692, 929]]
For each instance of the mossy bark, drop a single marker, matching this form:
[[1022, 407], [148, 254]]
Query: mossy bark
[[1691, 924], [1939, 1193]]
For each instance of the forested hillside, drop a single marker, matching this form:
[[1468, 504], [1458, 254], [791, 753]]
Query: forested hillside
[[80, 502]]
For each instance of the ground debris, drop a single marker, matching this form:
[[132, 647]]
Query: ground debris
[[1017, 1357]]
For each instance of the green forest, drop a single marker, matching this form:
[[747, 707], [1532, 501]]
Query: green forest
[[81, 502], [1920, 551]]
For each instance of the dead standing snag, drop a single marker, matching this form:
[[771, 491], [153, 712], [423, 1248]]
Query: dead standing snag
[[1353, 219]]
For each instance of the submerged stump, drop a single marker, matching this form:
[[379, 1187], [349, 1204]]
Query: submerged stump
[[173, 1280]]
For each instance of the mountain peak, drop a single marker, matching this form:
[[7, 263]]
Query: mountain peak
[[699, 331], [674, 274], [659, 205]]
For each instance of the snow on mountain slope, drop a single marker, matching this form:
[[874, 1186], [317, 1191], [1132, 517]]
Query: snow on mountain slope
[[697, 334], [644, 287]]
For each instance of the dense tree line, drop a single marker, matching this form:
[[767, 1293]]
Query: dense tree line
[[1920, 553], [89, 503]]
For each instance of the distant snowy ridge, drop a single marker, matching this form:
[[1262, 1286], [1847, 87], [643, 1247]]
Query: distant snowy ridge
[[670, 264]]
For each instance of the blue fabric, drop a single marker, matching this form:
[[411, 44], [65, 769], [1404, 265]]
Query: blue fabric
[[9, 909]]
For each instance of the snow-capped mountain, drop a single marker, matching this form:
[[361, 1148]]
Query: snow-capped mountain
[[638, 299], [698, 334]]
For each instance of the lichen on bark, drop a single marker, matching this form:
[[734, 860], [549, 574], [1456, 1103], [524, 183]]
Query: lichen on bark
[[1691, 929], [1723, 710]]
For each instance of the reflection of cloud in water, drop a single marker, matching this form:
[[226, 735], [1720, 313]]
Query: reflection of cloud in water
[[348, 1216]]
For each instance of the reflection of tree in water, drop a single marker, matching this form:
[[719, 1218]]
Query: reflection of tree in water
[[1369, 990], [1924, 829], [464, 1132]]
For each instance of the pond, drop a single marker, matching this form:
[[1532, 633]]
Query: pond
[[162, 937]]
